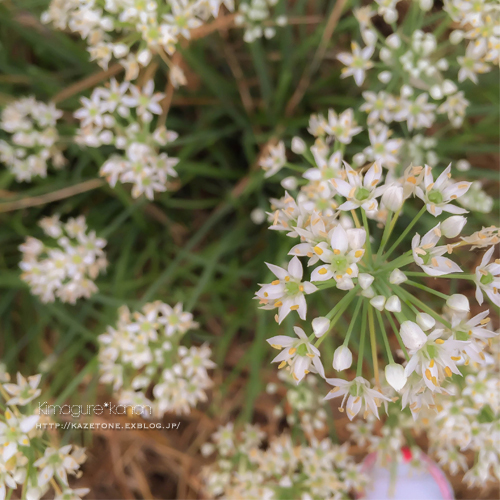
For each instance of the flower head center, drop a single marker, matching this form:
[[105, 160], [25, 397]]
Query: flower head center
[[362, 194]]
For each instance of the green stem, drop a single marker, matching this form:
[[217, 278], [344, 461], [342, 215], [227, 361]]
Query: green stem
[[389, 226], [400, 291], [367, 229], [402, 261], [353, 321], [405, 232], [397, 334], [447, 276], [373, 343], [337, 311], [385, 337], [359, 368], [427, 289]]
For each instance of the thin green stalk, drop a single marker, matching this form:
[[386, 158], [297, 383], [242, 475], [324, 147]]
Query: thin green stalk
[[448, 276], [337, 312], [367, 229], [427, 289], [389, 226], [373, 343], [421, 305], [359, 368], [385, 337], [353, 321], [405, 232], [398, 336]]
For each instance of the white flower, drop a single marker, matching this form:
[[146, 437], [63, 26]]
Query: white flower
[[342, 358], [360, 191], [395, 376], [383, 148], [24, 391], [356, 392], [488, 278], [14, 432], [432, 357], [430, 257], [378, 106], [275, 159], [144, 100], [56, 462], [342, 127], [287, 292], [340, 257], [298, 353], [357, 63], [438, 195]]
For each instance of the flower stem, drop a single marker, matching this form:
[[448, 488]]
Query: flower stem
[[385, 337], [427, 289], [353, 321], [397, 334], [359, 368], [373, 343], [389, 226], [405, 232], [367, 229], [447, 276], [355, 217]]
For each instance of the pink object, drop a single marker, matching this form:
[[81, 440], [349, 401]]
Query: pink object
[[410, 483]]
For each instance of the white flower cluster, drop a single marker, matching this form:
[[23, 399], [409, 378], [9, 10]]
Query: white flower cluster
[[66, 265], [257, 19], [131, 31], [27, 460], [414, 66], [34, 138], [121, 115], [312, 471], [330, 218], [480, 25], [144, 353], [307, 407]]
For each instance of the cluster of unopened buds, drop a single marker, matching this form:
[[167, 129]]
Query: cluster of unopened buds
[[310, 470], [330, 216], [28, 460], [132, 32], [33, 140], [121, 115], [66, 263], [144, 352]]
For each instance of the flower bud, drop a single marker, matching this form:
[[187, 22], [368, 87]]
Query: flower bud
[[359, 159], [412, 335], [378, 302], [289, 183], [452, 226], [463, 165], [397, 277], [395, 376], [368, 293], [456, 37], [298, 145], [449, 87], [365, 280], [342, 358], [369, 37], [436, 92], [459, 303], [393, 304], [258, 216], [393, 197], [385, 76], [320, 326], [393, 41], [425, 321]]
